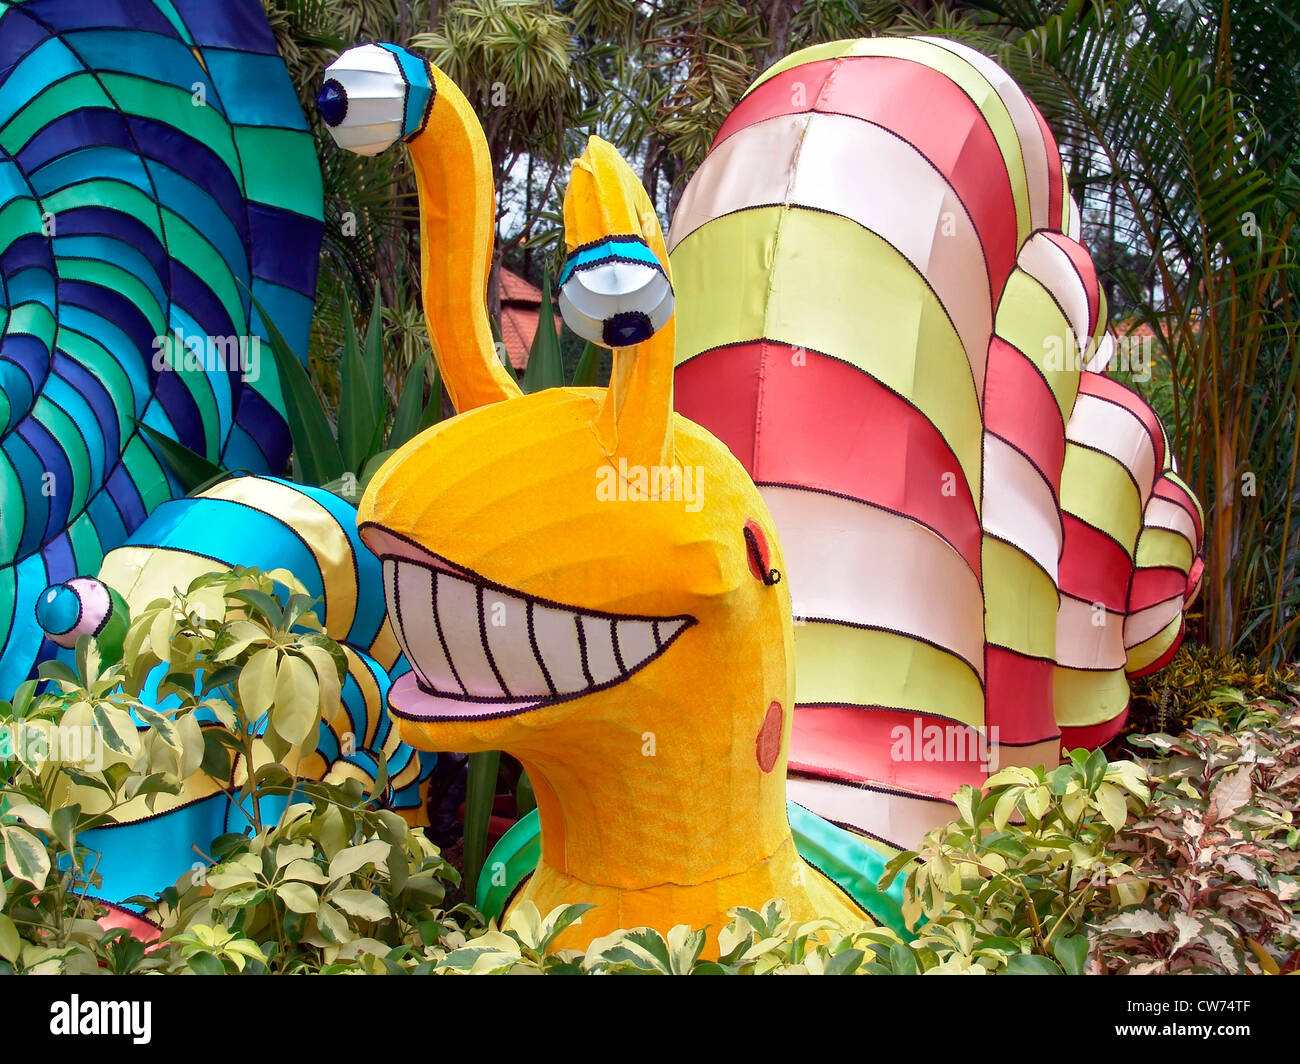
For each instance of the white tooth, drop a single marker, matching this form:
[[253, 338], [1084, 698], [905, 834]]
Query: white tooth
[[556, 632], [600, 650], [415, 586], [636, 642], [395, 613], [458, 611], [666, 631], [512, 650]]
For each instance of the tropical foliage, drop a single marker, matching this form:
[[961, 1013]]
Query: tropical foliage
[[1186, 862]]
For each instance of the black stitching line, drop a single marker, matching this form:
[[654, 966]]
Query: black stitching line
[[1157, 445], [483, 638], [462, 572], [437, 624], [605, 240], [862, 626], [515, 710], [108, 615], [862, 785], [582, 651], [537, 654], [613, 641]]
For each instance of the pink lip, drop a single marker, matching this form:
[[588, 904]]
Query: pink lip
[[407, 700], [386, 544]]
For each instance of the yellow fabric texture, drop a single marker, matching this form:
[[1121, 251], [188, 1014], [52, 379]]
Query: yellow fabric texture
[[654, 806]]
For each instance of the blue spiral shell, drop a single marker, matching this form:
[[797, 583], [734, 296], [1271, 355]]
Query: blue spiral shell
[[156, 175]]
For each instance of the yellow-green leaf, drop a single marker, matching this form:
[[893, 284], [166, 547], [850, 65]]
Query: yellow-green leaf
[[10, 942], [360, 903], [25, 857], [297, 700], [297, 896], [160, 635], [257, 681], [1037, 799], [352, 859], [1113, 807]]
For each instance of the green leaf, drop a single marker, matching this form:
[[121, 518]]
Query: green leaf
[[257, 683], [314, 446], [354, 858], [653, 943], [216, 756], [1006, 806], [297, 700], [236, 637], [360, 422], [331, 923], [204, 963], [267, 605], [374, 354], [1031, 964], [433, 408], [64, 826], [59, 672], [25, 857], [587, 375], [1072, 952], [298, 897], [361, 904], [844, 963], [193, 470], [116, 728], [480, 793], [560, 919], [1094, 769], [10, 942], [406, 421], [1113, 806], [902, 959], [545, 365]]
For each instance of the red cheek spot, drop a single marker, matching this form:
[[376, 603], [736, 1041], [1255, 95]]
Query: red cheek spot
[[768, 745]]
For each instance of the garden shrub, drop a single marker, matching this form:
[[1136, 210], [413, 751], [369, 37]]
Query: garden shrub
[[1199, 682], [1183, 862]]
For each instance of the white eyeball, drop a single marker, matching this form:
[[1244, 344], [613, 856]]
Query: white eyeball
[[615, 294], [80, 606], [374, 95]]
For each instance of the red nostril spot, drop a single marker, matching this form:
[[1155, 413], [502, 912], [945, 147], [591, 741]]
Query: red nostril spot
[[757, 551]]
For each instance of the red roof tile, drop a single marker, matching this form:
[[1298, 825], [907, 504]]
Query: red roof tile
[[520, 309]]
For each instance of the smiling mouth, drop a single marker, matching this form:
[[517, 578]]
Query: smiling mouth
[[478, 650]]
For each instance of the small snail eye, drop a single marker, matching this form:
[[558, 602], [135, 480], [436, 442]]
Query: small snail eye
[[759, 554], [81, 606]]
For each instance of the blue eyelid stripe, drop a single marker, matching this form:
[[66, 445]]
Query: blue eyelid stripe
[[419, 89], [613, 249]]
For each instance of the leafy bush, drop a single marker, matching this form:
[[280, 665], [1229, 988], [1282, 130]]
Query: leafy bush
[[754, 942], [1009, 886], [1215, 854], [333, 887], [1186, 862], [1200, 683], [233, 651]]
